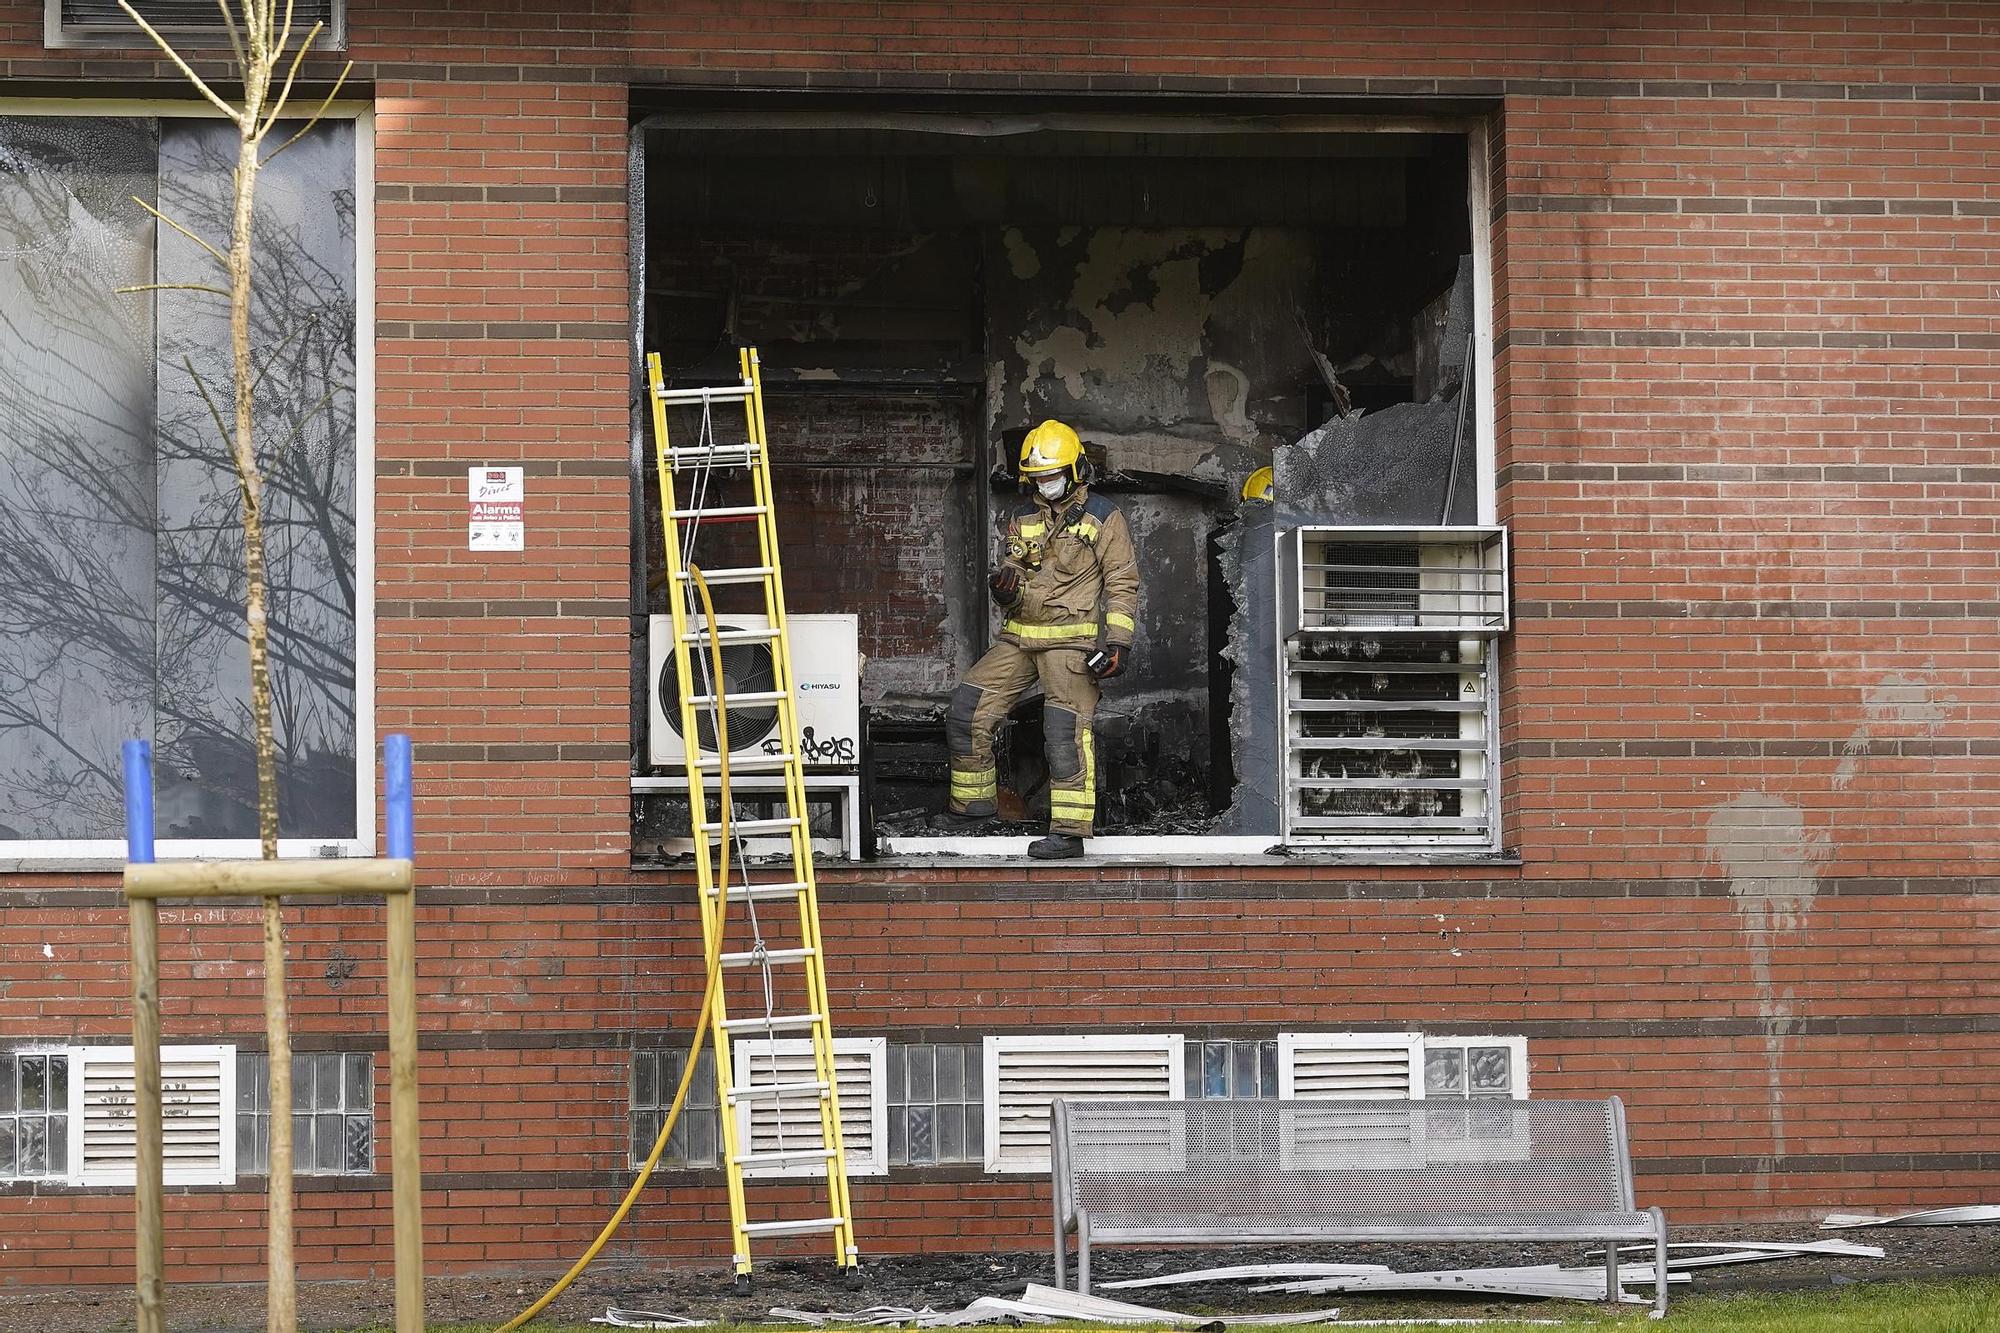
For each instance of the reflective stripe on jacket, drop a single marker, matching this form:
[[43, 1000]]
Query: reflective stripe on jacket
[[1087, 562]]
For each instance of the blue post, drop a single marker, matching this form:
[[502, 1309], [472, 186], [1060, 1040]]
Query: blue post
[[139, 802], [396, 779]]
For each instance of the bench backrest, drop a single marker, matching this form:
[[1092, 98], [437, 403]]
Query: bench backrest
[[1289, 1160]]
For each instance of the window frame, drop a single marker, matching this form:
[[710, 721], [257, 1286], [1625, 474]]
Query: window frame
[[15, 852], [1260, 849]]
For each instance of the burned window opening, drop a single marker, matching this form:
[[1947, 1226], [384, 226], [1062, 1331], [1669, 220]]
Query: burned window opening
[[1198, 306]]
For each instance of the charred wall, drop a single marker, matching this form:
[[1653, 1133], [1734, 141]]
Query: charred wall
[[1192, 308]]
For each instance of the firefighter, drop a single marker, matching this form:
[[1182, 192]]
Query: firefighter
[[1066, 554]]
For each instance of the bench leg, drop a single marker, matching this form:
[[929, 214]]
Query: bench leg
[[1613, 1288], [1082, 1253], [1062, 1245], [1659, 1264]]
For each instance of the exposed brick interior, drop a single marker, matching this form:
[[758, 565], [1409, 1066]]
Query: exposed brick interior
[[1745, 341]]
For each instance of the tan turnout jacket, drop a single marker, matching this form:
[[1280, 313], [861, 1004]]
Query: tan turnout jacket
[[1084, 549]]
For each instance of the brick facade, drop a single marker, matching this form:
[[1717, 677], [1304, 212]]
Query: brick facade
[[1746, 336]]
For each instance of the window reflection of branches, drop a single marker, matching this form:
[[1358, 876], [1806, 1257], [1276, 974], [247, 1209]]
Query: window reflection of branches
[[121, 568]]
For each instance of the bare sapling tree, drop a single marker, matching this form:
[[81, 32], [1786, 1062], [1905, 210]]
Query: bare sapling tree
[[267, 64]]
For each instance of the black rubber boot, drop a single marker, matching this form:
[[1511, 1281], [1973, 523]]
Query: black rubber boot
[[952, 822], [1056, 847]]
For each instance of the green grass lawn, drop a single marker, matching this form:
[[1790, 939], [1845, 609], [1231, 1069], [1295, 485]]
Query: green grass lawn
[[1969, 1305]]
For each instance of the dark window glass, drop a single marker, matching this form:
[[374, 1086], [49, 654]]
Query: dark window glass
[[121, 552]]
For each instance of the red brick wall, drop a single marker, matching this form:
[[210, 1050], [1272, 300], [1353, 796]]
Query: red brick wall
[[1746, 337]]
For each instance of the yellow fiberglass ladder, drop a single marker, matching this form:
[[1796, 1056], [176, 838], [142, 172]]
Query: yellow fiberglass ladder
[[779, 1109]]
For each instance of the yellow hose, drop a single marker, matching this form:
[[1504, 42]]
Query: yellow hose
[[709, 992]]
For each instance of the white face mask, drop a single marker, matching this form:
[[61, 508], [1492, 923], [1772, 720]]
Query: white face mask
[[1053, 488]]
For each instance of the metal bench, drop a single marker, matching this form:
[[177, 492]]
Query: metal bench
[[1281, 1172]]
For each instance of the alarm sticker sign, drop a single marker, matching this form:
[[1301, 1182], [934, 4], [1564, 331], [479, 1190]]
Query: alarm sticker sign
[[496, 499]]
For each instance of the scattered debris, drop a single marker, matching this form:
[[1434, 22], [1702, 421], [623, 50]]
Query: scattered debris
[[1927, 1217], [1745, 1252], [1040, 1305], [1244, 1271], [1583, 1284], [617, 1318]]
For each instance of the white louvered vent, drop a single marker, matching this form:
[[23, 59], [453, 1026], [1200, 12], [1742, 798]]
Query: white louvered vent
[[197, 1115], [791, 1122], [1024, 1074], [1350, 1066], [103, 23]]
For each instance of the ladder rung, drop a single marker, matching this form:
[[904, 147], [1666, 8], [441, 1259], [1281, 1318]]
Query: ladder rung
[[748, 957], [762, 635], [753, 825], [804, 1226], [776, 1022], [760, 892], [716, 578], [774, 1089], [707, 452], [750, 1161], [722, 393], [726, 511], [748, 697], [745, 762]]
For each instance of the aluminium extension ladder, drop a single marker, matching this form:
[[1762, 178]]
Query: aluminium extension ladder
[[810, 1145]]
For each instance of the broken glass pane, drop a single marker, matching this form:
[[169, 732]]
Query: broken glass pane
[[1444, 1071], [1215, 1069], [360, 1156], [1491, 1076], [34, 1146], [923, 1137], [34, 1083], [7, 1149], [10, 1072]]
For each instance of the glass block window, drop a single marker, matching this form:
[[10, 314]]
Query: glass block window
[[936, 1104], [697, 1137], [333, 1114], [1475, 1067], [1231, 1070], [34, 1116]]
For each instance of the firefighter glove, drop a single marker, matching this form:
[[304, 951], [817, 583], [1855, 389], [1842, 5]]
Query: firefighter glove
[[1006, 586], [1107, 662]]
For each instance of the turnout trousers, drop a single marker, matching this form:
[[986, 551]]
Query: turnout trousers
[[982, 699]]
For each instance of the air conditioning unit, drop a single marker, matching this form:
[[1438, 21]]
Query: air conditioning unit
[[826, 669]]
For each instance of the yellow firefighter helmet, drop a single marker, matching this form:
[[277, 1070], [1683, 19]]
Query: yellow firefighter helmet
[[1052, 447]]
